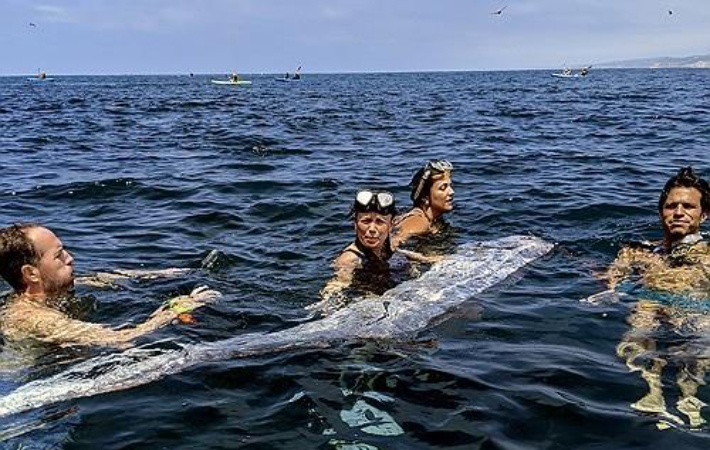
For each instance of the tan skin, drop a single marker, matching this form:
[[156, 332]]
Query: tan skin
[[439, 202], [372, 230], [681, 215], [30, 313]]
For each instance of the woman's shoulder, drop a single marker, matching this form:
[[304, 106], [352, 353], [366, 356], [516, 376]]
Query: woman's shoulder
[[413, 221], [351, 256]]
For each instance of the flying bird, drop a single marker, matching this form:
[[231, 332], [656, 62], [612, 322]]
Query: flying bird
[[33, 25], [500, 11], [670, 12]]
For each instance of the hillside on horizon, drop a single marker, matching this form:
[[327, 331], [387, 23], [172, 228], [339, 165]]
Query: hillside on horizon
[[687, 62]]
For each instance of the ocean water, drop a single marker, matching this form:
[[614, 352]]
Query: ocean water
[[159, 172]]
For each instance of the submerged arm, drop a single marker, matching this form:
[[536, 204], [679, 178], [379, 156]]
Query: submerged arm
[[49, 325], [344, 267], [108, 279], [626, 263], [418, 257], [619, 270]]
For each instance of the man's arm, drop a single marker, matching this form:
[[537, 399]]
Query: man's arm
[[49, 325], [627, 261], [621, 268]]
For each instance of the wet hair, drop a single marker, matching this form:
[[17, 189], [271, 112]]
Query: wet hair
[[418, 190], [686, 178], [16, 250]]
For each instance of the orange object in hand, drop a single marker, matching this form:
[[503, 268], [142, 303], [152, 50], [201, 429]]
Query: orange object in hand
[[187, 318]]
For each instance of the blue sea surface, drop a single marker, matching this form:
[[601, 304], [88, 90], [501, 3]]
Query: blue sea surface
[[162, 171]]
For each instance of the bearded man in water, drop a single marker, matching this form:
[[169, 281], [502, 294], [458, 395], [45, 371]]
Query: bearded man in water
[[34, 262]]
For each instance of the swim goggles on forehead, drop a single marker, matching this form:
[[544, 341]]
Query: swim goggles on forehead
[[439, 165], [377, 201]]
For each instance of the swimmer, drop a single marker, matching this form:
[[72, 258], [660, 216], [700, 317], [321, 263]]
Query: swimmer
[[366, 262], [373, 212], [433, 196], [680, 264], [34, 262]]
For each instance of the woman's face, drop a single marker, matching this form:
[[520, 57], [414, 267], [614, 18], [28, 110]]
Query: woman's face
[[372, 229], [441, 196]]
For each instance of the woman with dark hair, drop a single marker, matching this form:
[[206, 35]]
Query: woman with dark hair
[[432, 195]]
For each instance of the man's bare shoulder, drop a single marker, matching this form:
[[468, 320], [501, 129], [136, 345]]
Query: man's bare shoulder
[[637, 253], [22, 318], [702, 248]]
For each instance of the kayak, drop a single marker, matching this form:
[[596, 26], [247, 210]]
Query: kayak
[[566, 75], [233, 83]]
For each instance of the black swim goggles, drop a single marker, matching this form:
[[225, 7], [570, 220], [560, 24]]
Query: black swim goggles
[[381, 202], [422, 179]]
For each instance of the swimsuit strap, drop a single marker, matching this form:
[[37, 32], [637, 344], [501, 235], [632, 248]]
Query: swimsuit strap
[[356, 251], [365, 255]]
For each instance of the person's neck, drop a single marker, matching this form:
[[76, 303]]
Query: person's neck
[[430, 213], [35, 296], [378, 253], [669, 242]]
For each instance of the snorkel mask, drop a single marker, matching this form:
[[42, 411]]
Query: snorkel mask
[[381, 202], [423, 179]]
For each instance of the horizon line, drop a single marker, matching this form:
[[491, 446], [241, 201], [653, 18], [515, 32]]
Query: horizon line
[[383, 72]]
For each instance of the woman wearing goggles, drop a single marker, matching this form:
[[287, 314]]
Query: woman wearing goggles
[[368, 255], [432, 195]]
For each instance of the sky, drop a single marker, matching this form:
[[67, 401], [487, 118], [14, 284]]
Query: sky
[[275, 36]]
